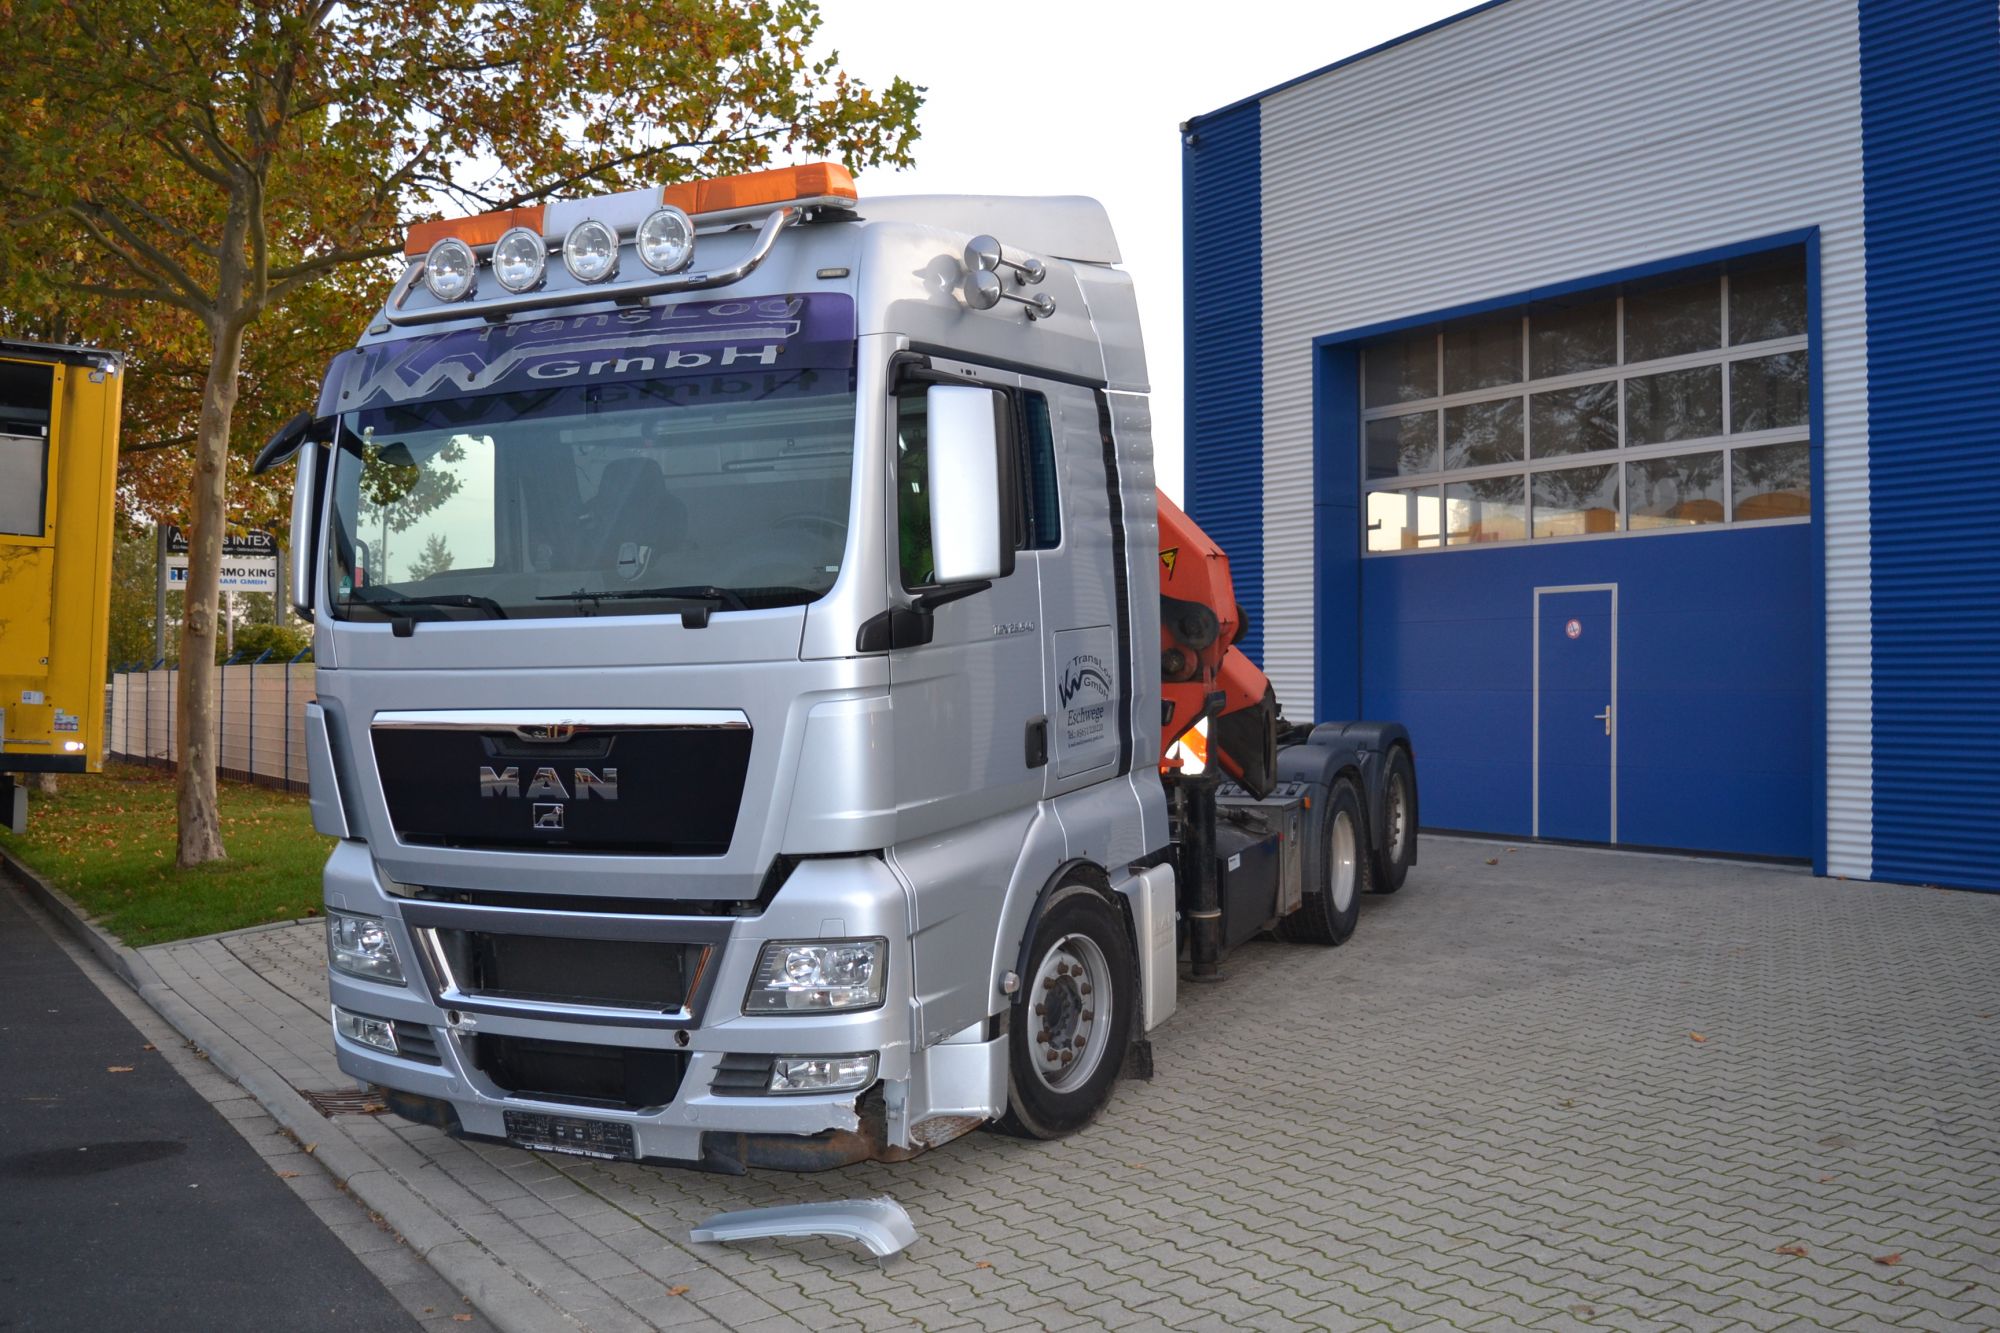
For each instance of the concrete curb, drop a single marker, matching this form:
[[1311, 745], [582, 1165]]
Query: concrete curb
[[511, 1305]]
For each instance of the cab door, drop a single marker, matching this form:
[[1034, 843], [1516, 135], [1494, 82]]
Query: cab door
[[968, 701], [30, 392]]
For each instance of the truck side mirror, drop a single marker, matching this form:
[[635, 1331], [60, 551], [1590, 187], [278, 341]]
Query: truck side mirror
[[968, 498], [305, 519]]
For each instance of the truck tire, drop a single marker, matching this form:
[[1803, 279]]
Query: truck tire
[[1332, 900], [1399, 822], [1072, 1017]]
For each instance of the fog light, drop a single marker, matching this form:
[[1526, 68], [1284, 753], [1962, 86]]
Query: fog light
[[72, 747], [822, 1073], [377, 1032]]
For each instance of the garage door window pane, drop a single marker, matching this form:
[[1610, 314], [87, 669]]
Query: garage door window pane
[[1576, 500], [1481, 434], [1678, 492], [1678, 405], [1402, 520], [1573, 421], [1401, 446], [24, 484], [1772, 482], [1768, 392], [1567, 341], [1673, 320], [1404, 371], [1492, 509], [1482, 356], [1768, 299]]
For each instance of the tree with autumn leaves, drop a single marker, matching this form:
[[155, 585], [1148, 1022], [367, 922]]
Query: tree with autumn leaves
[[218, 188]]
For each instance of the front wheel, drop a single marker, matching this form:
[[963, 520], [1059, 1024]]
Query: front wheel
[[1072, 1018], [1332, 899]]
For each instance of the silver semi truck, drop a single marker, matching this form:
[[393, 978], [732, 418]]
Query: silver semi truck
[[748, 661]]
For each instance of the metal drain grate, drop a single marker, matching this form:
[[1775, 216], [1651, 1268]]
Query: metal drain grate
[[349, 1101]]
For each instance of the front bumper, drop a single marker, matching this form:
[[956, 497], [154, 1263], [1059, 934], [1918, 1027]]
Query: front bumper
[[437, 1076]]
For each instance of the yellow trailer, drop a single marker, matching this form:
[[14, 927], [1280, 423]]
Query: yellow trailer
[[58, 468]]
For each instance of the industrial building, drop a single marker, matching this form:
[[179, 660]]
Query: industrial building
[[1601, 388]]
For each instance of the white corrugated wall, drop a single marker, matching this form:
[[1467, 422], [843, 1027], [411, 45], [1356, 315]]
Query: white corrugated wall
[[1545, 141]]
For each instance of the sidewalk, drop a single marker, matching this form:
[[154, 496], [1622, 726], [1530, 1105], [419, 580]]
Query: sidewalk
[[1542, 1087]]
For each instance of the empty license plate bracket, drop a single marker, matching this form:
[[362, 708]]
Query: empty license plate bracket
[[610, 1139]]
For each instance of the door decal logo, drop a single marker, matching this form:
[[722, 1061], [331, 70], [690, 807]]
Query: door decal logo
[[1574, 629], [1084, 689]]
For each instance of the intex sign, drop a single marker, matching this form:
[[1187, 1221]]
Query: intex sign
[[546, 785]]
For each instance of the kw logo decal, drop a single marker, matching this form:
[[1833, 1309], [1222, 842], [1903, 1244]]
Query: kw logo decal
[[1074, 680], [1168, 558]]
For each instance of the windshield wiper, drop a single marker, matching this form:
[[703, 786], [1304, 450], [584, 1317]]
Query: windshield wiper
[[695, 600], [726, 598], [387, 599]]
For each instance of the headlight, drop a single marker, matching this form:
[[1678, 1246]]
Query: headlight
[[821, 1073], [590, 251], [377, 1032], [666, 241], [361, 946], [518, 259], [807, 976], [449, 269]]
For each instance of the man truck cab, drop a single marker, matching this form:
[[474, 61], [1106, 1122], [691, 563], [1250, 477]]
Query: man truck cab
[[736, 610]]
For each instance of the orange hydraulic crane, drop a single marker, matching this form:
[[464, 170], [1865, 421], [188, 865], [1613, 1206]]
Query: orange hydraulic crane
[[1203, 673]]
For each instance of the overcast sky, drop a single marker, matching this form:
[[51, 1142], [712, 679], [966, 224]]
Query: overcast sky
[[1040, 97]]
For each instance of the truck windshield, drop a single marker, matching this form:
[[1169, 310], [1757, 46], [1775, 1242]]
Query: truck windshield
[[630, 498]]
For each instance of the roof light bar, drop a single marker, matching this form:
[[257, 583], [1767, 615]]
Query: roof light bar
[[826, 183]]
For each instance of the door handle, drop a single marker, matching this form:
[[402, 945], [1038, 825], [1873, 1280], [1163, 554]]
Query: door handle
[[1605, 718]]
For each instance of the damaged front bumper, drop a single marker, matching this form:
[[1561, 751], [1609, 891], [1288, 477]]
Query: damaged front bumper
[[684, 1082]]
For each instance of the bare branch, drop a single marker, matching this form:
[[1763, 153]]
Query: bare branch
[[163, 268]]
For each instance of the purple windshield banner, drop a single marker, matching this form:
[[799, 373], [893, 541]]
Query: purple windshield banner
[[776, 333]]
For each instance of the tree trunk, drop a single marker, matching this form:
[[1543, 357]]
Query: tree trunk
[[200, 822]]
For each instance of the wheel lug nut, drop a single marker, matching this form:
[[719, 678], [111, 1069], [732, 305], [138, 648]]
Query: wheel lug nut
[[1067, 1057], [1048, 983], [1044, 1035], [1088, 1015], [1078, 1043], [1041, 1009], [1085, 988]]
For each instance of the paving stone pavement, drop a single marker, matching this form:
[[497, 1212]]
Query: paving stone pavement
[[1542, 1087]]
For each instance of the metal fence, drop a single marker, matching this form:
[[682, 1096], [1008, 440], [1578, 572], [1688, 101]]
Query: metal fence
[[260, 719]]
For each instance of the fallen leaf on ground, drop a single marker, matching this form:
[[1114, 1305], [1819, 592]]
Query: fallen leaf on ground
[[308, 1149], [1568, 1102], [982, 1264], [149, 1047], [1796, 1251], [1584, 1310], [118, 1069], [1889, 1260], [1696, 1036], [1827, 1180], [288, 1175], [461, 1319], [677, 1291], [1493, 860]]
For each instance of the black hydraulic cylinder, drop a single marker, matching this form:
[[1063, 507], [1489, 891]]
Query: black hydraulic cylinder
[[1203, 895]]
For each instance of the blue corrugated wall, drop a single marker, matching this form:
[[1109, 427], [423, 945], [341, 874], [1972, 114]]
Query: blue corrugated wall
[[1930, 117], [1223, 289]]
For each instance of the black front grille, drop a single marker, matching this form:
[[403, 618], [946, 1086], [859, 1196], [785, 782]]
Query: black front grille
[[623, 974], [415, 1041], [741, 1075], [661, 791], [629, 1078]]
